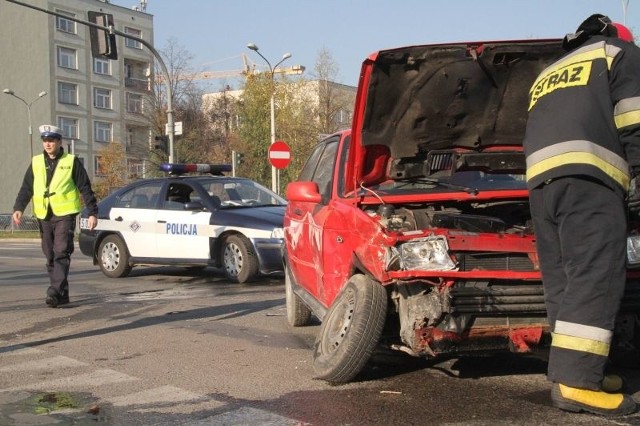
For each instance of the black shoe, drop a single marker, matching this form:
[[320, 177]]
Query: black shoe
[[595, 402], [63, 300], [52, 301]]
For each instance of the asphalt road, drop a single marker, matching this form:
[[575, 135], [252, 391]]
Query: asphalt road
[[167, 346]]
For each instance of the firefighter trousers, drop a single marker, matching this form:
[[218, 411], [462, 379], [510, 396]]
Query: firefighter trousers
[[581, 228], [57, 245]]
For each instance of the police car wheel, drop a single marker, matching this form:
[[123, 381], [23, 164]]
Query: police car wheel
[[239, 261], [113, 257]]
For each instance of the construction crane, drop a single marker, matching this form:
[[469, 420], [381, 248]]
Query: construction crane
[[246, 70]]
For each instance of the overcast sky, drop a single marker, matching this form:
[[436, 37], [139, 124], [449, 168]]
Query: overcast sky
[[216, 32]]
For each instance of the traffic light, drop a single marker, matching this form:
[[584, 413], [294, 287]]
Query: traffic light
[[239, 158], [103, 43], [162, 143]]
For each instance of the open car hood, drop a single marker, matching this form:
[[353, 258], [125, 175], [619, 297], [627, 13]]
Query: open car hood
[[416, 99]]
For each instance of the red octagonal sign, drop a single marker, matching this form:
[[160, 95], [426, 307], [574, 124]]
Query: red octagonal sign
[[279, 154]]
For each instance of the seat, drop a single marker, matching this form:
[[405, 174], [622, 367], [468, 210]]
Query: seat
[[139, 201]]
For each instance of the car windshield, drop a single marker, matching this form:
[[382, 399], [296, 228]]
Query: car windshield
[[234, 193]]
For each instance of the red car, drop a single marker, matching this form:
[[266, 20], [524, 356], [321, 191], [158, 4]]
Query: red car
[[412, 229]]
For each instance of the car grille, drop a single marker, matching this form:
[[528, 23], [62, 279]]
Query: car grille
[[494, 262]]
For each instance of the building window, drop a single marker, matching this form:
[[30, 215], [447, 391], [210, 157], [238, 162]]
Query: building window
[[67, 58], [65, 25], [134, 103], [102, 98], [69, 127], [101, 66], [135, 44], [99, 166], [67, 93], [102, 131]]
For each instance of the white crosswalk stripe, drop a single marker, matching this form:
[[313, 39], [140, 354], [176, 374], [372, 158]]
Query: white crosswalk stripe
[[82, 381], [44, 364], [159, 400]]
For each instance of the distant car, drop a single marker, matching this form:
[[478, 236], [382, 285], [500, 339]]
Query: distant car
[[188, 220]]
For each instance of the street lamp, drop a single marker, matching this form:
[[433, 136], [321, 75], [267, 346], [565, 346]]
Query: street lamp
[[274, 174], [28, 105]]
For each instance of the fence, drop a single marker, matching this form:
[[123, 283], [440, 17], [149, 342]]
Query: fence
[[28, 224]]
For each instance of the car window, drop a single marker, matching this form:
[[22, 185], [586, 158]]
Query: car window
[[310, 166], [140, 197], [241, 193], [323, 175], [177, 195]]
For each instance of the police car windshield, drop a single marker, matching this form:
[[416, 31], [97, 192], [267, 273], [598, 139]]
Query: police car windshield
[[241, 193]]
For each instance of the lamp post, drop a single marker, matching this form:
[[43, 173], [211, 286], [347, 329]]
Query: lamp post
[[275, 184], [28, 105]]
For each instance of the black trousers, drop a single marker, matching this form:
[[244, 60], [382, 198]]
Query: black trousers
[[581, 229], [57, 245]]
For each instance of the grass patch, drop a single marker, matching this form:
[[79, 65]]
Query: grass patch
[[20, 234]]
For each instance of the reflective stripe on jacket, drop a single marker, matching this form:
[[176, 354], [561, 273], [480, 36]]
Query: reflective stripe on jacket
[[62, 194], [581, 109]]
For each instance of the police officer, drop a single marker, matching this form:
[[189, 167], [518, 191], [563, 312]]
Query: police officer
[[582, 146], [54, 182]]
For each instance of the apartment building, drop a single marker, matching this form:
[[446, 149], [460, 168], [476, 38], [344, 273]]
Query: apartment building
[[94, 101]]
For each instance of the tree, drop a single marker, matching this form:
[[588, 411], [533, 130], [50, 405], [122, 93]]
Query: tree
[[112, 170], [331, 100]]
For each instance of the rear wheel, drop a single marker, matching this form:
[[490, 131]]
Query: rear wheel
[[239, 261], [350, 330], [298, 314], [113, 257]]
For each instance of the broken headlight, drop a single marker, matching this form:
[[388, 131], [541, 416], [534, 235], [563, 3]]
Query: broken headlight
[[431, 253]]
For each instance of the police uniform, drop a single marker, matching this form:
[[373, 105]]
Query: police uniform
[[54, 185], [582, 143]]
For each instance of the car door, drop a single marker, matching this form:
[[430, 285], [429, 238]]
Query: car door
[[181, 234], [133, 216], [306, 220]]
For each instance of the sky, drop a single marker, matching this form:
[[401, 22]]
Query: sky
[[216, 32]]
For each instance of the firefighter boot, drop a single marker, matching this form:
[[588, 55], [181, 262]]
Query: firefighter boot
[[595, 402]]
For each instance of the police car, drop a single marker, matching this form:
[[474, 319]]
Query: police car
[[188, 220]]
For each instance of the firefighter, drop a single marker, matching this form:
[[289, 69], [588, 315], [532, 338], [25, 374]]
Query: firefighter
[[582, 145]]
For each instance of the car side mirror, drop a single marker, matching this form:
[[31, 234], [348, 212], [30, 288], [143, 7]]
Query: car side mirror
[[194, 205], [303, 191]]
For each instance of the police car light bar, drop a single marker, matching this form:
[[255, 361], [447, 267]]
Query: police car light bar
[[180, 169]]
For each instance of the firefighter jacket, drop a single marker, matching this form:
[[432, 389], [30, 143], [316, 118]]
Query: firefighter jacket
[[584, 115], [61, 193]]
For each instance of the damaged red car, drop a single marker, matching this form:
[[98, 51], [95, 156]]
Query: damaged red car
[[412, 230]]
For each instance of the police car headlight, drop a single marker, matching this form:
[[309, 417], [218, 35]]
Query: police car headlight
[[633, 250], [431, 253], [277, 233]]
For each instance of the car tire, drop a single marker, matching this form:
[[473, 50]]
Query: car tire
[[350, 330], [113, 257], [298, 314], [239, 260]]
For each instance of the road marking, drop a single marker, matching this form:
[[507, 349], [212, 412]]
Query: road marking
[[54, 363], [89, 380], [158, 395], [247, 416]]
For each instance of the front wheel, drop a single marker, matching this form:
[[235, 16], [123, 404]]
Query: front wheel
[[239, 261], [113, 257], [351, 330]]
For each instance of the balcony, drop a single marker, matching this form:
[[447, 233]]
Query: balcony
[[141, 85]]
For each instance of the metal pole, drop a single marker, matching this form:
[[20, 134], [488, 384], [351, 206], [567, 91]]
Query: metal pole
[[30, 130], [274, 174]]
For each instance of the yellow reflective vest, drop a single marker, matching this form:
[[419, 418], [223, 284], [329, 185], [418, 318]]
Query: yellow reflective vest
[[62, 195]]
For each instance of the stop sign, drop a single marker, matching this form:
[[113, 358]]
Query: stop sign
[[279, 154]]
